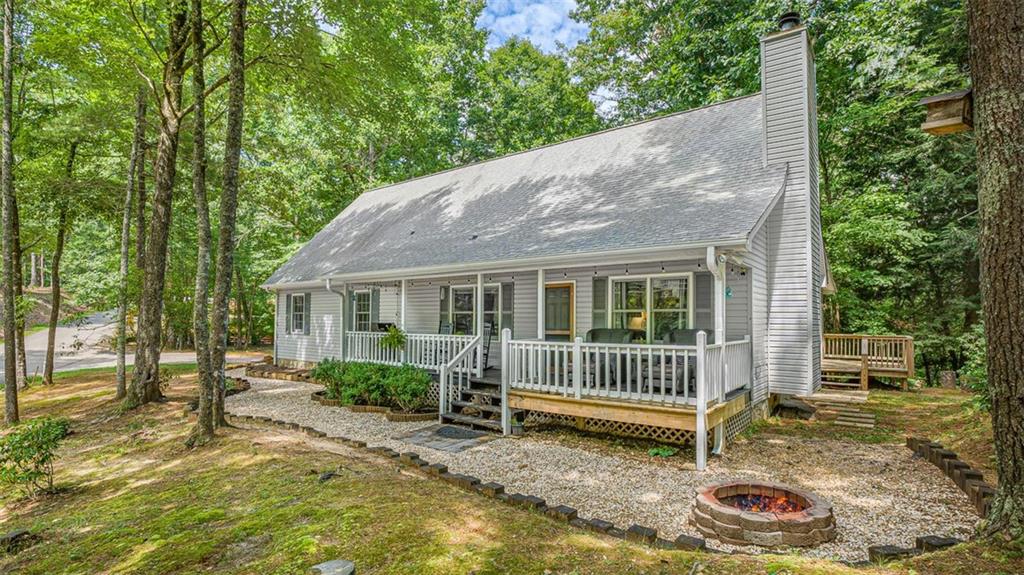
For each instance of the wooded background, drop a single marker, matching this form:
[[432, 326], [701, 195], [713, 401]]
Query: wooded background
[[345, 96]]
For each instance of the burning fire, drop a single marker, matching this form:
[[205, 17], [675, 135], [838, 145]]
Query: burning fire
[[766, 504]]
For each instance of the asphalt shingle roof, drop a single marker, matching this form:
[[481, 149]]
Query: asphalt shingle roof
[[683, 178]]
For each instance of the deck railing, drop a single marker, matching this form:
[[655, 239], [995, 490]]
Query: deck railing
[[891, 355], [428, 351], [455, 374], [656, 373]]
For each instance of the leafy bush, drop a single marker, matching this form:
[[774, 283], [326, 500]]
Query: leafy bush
[[974, 372], [394, 340], [28, 452], [407, 387], [364, 383], [662, 451]]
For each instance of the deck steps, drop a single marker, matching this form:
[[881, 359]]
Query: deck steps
[[472, 421], [842, 408], [478, 405]]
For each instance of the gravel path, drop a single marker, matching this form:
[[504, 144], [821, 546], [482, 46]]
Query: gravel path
[[880, 493]]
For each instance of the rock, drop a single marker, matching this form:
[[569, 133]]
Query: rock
[[641, 534], [886, 553], [935, 542], [689, 543], [16, 540], [335, 567], [793, 408]]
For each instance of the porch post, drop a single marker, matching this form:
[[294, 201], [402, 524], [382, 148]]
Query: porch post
[[717, 268], [540, 305], [506, 377], [277, 309], [343, 294], [401, 317], [701, 438], [480, 325]]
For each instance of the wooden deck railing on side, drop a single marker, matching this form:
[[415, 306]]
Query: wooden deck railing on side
[[867, 355]]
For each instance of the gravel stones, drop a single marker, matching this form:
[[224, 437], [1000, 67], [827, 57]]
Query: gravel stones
[[881, 494]]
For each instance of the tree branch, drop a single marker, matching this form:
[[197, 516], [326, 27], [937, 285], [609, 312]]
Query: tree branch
[[138, 24], [217, 84]]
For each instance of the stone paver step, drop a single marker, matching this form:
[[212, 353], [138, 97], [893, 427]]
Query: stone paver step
[[853, 423]]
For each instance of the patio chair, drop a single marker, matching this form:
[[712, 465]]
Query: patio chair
[[679, 337], [596, 361]]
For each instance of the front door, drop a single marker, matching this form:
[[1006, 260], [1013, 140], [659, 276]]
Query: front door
[[559, 315]]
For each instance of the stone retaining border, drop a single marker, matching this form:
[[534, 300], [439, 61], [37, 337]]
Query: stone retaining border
[[970, 481], [563, 513]]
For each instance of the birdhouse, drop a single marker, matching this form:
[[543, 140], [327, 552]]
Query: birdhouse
[[948, 113]]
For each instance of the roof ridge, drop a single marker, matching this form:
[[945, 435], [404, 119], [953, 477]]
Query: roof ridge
[[654, 118]]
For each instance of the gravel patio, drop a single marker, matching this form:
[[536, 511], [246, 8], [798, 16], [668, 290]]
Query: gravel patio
[[881, 493]]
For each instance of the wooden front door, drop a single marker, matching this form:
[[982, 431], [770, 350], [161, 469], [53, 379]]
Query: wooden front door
[[559, 311]]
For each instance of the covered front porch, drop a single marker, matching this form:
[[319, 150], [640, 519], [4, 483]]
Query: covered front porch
[[667, 345]]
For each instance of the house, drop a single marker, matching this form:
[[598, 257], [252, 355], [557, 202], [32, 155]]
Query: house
[[662, 278]]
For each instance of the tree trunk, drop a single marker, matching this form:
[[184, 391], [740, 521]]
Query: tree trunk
[[62, 228], [7, 188], [51, 337], [997, 73], [203, 431], [145, 386], [228, 201], [140, 202], [19, 295], [135, 157]]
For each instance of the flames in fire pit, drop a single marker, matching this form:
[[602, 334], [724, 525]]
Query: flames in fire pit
[[764, 503]]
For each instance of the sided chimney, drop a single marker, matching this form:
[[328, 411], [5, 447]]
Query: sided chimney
[[790, 124]]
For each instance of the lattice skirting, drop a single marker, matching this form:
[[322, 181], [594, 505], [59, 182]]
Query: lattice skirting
[[664, 434], [736, 424]]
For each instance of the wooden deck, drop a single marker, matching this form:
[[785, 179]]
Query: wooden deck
[[850, 360]]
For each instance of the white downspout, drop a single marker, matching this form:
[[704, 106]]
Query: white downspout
[[343, 296]]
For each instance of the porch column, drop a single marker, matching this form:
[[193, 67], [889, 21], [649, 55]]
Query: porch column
[[540, 305], [277, 310], [343, 294], [479, 300], [401, 306], [717, 267]]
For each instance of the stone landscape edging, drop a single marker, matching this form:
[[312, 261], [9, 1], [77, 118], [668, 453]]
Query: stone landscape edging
[[635, 533], [970, 481]]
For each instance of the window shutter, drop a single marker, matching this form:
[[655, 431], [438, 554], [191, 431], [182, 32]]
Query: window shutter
[[374, 308], [599, 315], [306, 318], [351, 311], [445, 317], [288, 313]]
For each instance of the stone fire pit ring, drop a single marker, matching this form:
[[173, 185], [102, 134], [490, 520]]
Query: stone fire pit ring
[[715, 516]]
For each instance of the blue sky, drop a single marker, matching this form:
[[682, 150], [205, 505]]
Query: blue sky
[[545, 23]]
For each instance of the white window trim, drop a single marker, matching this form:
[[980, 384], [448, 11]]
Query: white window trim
[[451, 303], [691, 289], [302, 310], [355, 311]]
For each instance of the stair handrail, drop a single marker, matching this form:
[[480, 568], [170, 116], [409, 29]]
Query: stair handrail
[[446, 371]]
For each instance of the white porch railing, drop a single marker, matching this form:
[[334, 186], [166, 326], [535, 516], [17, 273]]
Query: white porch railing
[[425, 350], [455, 374], [699, 376]]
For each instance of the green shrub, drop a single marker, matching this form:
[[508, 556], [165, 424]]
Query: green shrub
[[328, 370], [974, 372], [662, 451], [28, 452], [394, 339], [407, 387]]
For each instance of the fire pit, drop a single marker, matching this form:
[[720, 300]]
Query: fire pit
[[745, 513]]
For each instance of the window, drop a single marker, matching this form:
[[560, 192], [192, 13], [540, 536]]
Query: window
[[361, 310], [458, 309], [654, 305], [297, 313]]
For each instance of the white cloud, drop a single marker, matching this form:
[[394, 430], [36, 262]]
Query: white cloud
[[546, 24]]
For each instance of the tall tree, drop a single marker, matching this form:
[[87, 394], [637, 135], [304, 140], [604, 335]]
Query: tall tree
[[7, 188], [136, 157], [997, 71], [58, 253], [203, 431], [228, 202], [145, 386]]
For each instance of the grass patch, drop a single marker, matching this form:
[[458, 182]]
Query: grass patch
[[134, 500]]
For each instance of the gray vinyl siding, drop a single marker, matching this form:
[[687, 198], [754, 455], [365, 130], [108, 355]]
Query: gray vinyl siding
[[524, 306], [423, 305], [704, 301], [390, 305], [793, 332], [757, 262], [737, 307], [324, 339]]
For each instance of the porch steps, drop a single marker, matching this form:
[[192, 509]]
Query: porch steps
[[472, 421], [842, 408], [478, 406]]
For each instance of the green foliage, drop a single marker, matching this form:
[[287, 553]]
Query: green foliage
[[974, 372], [394, 339], [360, 383], [28, 452], [407, 386], [662, 451]]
